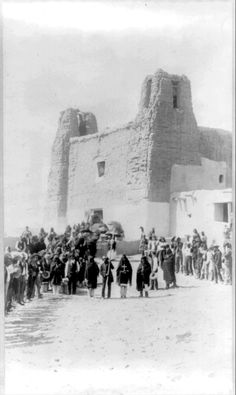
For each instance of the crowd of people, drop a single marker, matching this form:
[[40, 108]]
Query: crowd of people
[[61, 263], [191, 256]]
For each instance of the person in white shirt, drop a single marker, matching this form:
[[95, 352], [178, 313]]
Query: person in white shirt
[[187, 253]]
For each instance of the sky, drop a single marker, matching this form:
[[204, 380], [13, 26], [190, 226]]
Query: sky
[[94, 56]]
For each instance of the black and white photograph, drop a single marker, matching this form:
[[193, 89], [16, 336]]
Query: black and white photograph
[[118, 197]]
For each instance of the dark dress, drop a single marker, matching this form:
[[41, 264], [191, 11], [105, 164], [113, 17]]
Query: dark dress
[[57, 274], [91, 273], [143, 274], [124, 271], [168, 267]]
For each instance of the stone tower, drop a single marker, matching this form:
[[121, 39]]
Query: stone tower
[[72, 123], [165, 109]]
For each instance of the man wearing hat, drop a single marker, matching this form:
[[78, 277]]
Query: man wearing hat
[[217, 264], [107, 276], [71, 270]]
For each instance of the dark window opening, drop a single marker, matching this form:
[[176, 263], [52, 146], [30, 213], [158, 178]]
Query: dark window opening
[[96, 216], [221, 178], [175, 101], [221, 212], [101, 168], [175, 89]]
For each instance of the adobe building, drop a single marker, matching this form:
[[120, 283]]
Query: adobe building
[[142, 174]]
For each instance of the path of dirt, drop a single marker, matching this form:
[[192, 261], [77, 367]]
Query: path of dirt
[[178, 341]]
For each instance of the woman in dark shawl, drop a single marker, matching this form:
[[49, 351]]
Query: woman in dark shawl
[[91, 275], [143, 276], [168, 267], [124, 275]]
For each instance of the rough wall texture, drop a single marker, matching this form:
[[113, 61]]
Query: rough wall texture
[[210, 175], [215, 144], [173, 133], [72, 122], [125, 154], [138, 157]]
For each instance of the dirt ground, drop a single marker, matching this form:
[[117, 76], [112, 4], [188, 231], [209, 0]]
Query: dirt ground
[[177, 341]]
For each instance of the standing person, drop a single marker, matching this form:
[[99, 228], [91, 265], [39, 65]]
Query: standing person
[[91, 275], [199, 261], [9, 268], [187, 251], [71, 272], [152, 245], [107, 276], [168, 267], [27, 237], [204, 239], [42, 234], [152, 233], [196, 241], [33, 271], [24, 277], [178, 255], [52, 235], [160, 250], [143, 244], [227, 263], [16, 276], [56, 276], [124, 275], [211, 264], [204, 269], [154, 273], [38, 281], [111, 254], [20, 244], [217, 264], [143, 276]]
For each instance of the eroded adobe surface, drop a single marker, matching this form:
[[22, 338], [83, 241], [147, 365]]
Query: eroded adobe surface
[[138, 157]]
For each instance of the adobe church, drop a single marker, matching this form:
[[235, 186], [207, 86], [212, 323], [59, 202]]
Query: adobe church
[[160, 170]]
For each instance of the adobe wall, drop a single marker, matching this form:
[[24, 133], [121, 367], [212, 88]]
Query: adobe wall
[[122, 192], [173, 131], [72, 122], [206, 176], [216, 144], [195, 209], [140, 160]]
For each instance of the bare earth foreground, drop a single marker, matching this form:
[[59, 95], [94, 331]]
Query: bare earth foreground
[[178, 341]]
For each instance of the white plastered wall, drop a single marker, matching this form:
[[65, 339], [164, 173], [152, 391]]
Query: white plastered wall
[[196, 209]]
